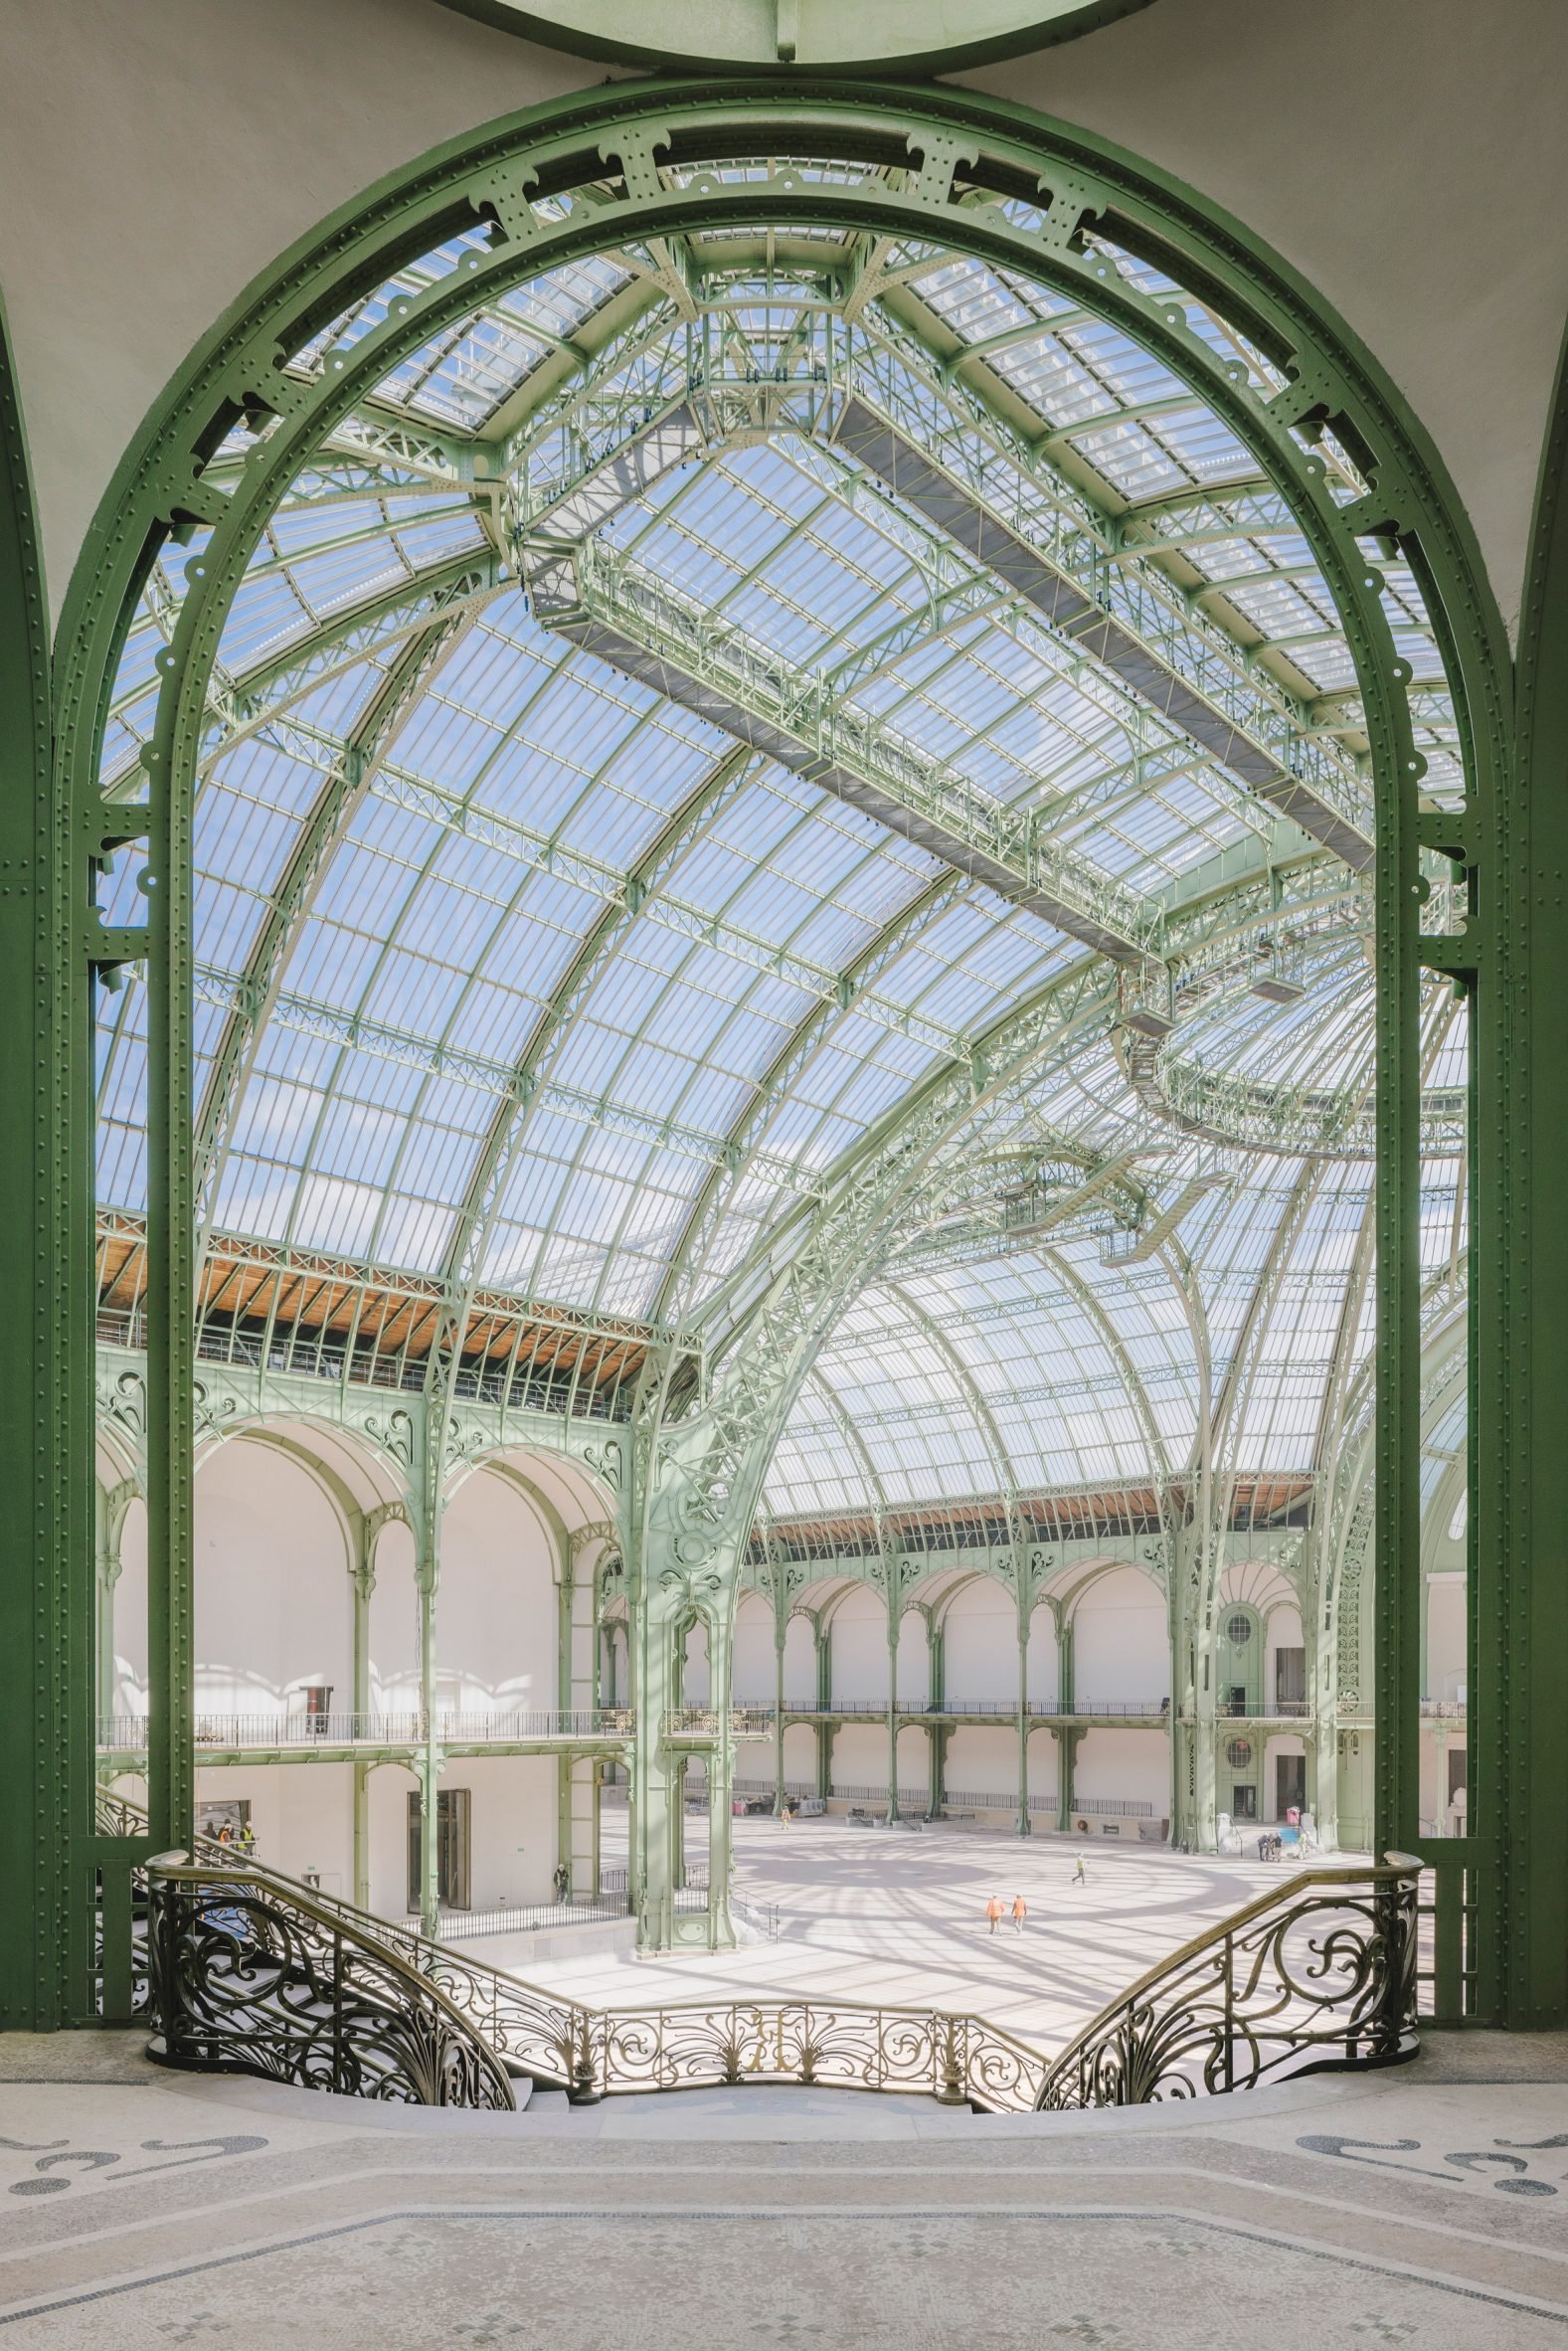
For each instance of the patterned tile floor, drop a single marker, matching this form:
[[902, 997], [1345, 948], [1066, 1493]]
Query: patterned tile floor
[[140, 2208]]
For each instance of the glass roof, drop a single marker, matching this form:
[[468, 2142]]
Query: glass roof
[[509, 960]]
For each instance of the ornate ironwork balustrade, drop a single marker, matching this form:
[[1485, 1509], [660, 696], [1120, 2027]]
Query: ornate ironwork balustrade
[[252, 1972], [1318, 1973], [247, 1978]]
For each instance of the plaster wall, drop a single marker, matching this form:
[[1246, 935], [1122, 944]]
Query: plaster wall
[[1125, 1763], [695, 1682], [301, 1815], [1044, 1769], [983, 1761], [273, 1597], [1044, 1661], [497, 1615], [390, 1785], [514, 1820], [752, 1659], [799, 1753], [1282, 1630], [393, 1631], [860, 1647], [980, 1633], [1120, 1640], [799, 1664], [914, 1659], [860, 1755], [914, 1758], [1446, 1635]]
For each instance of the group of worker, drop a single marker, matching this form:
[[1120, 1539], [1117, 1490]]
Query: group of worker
[[995, 1912]]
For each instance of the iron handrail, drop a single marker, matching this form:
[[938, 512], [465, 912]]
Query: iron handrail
[[1260, 1995], [1176, 2031], [250, 1977]]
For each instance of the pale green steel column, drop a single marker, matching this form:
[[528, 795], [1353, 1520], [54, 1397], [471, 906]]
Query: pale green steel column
[[1024, 1823], [893, 1633], [364, 1579], [781, 1630]]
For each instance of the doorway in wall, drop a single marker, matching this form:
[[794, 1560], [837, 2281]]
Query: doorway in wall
[[1290, 1785], [453, 1849]]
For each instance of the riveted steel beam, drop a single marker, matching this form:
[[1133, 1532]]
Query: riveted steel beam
[[636, 621]]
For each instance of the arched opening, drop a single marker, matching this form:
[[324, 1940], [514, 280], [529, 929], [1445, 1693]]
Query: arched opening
[[583, 1258]]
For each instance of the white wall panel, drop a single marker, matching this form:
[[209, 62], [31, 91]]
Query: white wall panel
[[1120, 1640], [752, 1660], [980, 1631], [1044, 1682], [860, 1648], [800, 1661], [273, 1595], [497, 1621], [1125, 1763]]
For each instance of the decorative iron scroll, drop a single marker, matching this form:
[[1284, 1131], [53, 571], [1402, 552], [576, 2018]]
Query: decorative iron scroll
[[118, 1816], [253, 1972], [249, 1979], [1318, 1973]]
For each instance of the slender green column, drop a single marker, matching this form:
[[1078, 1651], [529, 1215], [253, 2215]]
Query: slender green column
[[781, 1629], [364, 1578], [1067, 1746], [1024, 1823], [893, 1632], [45, 1262], [936, 1696]]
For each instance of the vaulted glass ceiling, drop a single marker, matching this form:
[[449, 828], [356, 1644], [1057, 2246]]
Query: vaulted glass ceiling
[[547, 897]]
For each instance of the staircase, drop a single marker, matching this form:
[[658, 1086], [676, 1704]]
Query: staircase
[[246, 1970]]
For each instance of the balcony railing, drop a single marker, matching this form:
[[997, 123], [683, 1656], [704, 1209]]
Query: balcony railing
[[1000, 1709], [128, 1733], [744, 1721], [253, 1973]]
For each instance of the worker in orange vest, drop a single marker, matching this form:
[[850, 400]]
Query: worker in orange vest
[[993, 1912], [1020, 1912]]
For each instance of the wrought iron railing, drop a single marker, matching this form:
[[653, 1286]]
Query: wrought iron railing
[[128, 1733], [710, 1721], [255, 1973], [1318, 1974], [247, 1978]]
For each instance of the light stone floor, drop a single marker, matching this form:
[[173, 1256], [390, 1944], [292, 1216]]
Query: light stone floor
[[893, 1917], [140, 2208]]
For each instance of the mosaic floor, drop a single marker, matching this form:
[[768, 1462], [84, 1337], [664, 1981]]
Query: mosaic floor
[[139, 2208]]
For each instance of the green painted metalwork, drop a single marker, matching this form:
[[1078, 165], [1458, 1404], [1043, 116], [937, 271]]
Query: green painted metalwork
[[47, 1586], [983, 180], [1516, 848]]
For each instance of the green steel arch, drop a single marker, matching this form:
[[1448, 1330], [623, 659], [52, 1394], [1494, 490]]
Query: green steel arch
[[566, 181]]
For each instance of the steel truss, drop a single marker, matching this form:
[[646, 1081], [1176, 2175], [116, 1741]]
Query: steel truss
[[970, 179]]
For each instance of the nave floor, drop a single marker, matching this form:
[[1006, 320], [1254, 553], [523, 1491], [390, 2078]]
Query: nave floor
[[140, 2208], [891, 1917]]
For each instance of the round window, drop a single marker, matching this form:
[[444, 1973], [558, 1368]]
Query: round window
[[1240, 1753], [1239, 1630]]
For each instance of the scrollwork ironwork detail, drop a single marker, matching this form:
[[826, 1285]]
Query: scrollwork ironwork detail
[[246, 1978], [1320, 1973]]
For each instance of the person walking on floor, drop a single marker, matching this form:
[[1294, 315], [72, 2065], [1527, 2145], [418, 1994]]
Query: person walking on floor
[[1080, 1873], [1020, 1912], [993, 1912]]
